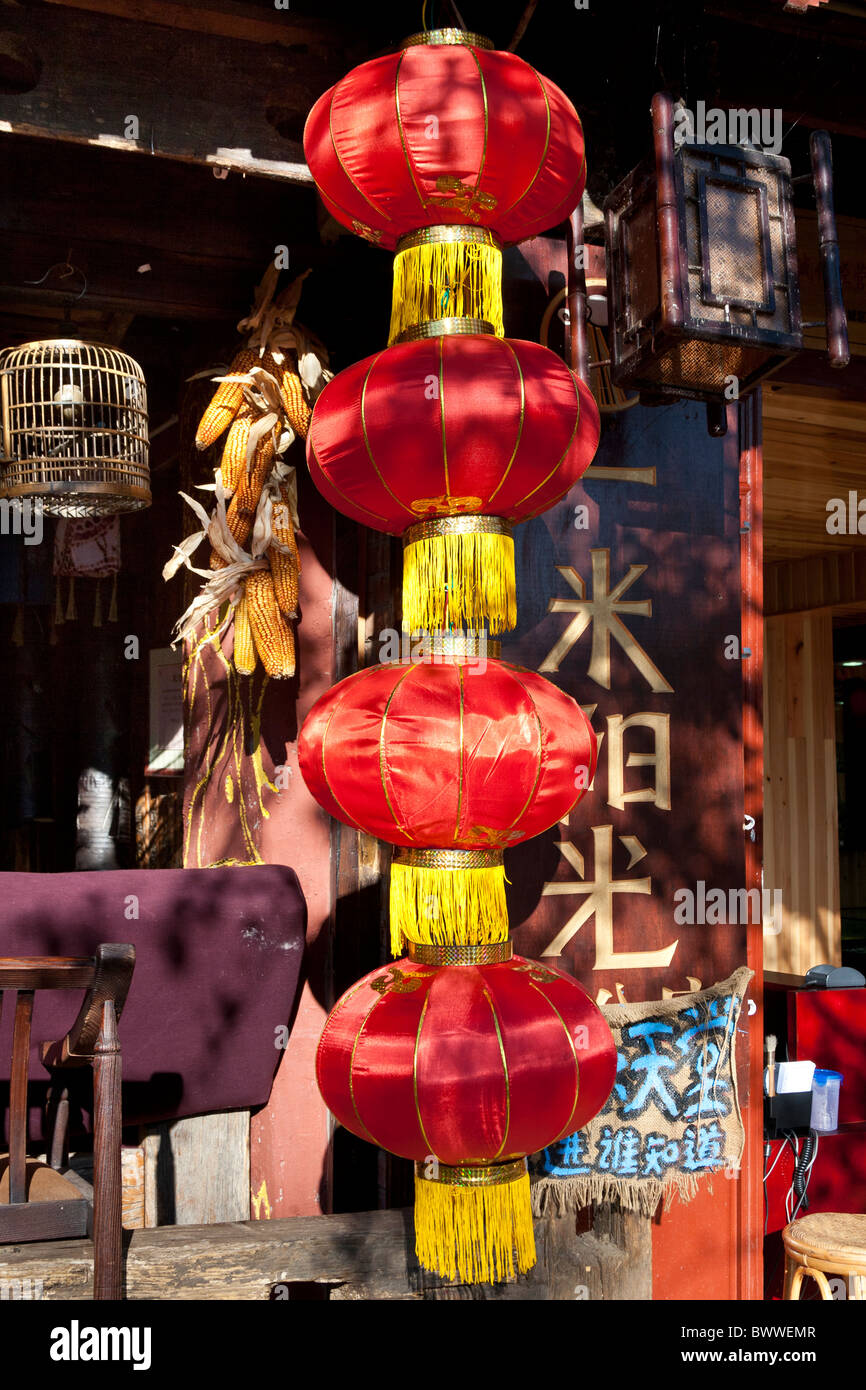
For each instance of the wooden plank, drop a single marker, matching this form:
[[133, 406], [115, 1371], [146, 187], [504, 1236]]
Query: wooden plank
[[815, 583], [189, 92], [802, 406], [369, 1254], [801, 810], [230, 20], [814, 450], [159, 207], [176, 289], [197, 1170], [132, 1171]]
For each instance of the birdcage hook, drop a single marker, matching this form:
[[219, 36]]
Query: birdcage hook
[[66, 269]]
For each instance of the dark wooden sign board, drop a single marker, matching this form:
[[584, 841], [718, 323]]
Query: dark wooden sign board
[[629, 600]]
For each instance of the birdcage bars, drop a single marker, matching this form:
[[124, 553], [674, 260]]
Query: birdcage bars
[[75, 434]]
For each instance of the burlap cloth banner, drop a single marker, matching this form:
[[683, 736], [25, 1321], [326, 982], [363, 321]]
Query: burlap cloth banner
[[673, 1115]]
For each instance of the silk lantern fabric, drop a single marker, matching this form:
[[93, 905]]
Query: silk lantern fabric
[[442, 754], [472, 1064], [451, 426], [446, 133]]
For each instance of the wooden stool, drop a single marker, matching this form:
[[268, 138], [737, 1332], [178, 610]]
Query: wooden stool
[[829, 1242]]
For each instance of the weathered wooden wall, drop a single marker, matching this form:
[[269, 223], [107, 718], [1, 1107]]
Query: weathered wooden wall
[[801, 825]]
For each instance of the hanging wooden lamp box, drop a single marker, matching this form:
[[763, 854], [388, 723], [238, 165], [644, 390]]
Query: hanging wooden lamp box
[[74, 428], [704, 297]]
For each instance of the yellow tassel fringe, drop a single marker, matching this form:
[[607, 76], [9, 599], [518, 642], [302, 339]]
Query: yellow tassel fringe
[[450, 279], [447, 907], [477, 1235], [461, 580]]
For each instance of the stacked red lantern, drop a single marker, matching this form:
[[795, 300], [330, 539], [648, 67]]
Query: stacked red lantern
[[417, 151], [446, 132], [453, 437], [461, 1057], [454, 762], [466, 1065]]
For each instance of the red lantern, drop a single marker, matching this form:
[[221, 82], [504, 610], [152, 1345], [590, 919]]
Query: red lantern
[[465, 1060], [449, 441], [444, 132], [444, 151], [452, 759]]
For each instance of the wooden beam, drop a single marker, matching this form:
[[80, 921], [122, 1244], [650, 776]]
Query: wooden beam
[[173, 93], [170, 289], [177, 285], [52, 190], [816, 582], [362, 1255], [833, 26], [222, 17]]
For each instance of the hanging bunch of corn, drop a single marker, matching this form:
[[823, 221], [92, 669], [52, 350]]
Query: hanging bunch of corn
[[262, 404]]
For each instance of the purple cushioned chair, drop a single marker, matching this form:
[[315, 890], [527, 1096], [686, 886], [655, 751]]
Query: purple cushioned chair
[[218, 964]]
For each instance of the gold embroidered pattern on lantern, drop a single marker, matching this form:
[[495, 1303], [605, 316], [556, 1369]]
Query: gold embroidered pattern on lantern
[[368, 233], [538, 973], [471, 202], [442, 506], [400, 983]]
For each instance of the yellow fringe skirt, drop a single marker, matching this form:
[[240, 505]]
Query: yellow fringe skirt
[[447, 273], [447, 898], [474, 1224], [459, 571]]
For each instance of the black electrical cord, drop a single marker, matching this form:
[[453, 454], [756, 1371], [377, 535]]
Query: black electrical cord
[[803, 1171]]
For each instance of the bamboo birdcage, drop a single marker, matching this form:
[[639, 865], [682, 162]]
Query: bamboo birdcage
[[75, 435]]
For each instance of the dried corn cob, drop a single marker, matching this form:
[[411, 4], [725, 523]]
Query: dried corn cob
[[274, 639], [233, 464], [285, 568], [226, 401], [216, 560], [292, 393], [240, 526], [245, 651], [250, 490], [241, 511]]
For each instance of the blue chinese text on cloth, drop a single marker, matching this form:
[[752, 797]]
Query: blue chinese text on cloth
[[673, 1116]]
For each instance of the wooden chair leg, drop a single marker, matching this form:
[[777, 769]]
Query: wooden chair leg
[[790, 1270], [107, 1211], [792, 1288], [823, 1284]]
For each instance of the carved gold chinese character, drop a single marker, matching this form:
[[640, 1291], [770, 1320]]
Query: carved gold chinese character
[[603, 612], [598, 902]]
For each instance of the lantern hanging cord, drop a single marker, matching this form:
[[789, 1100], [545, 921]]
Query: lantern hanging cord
[[522, 25], [458, 16]]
